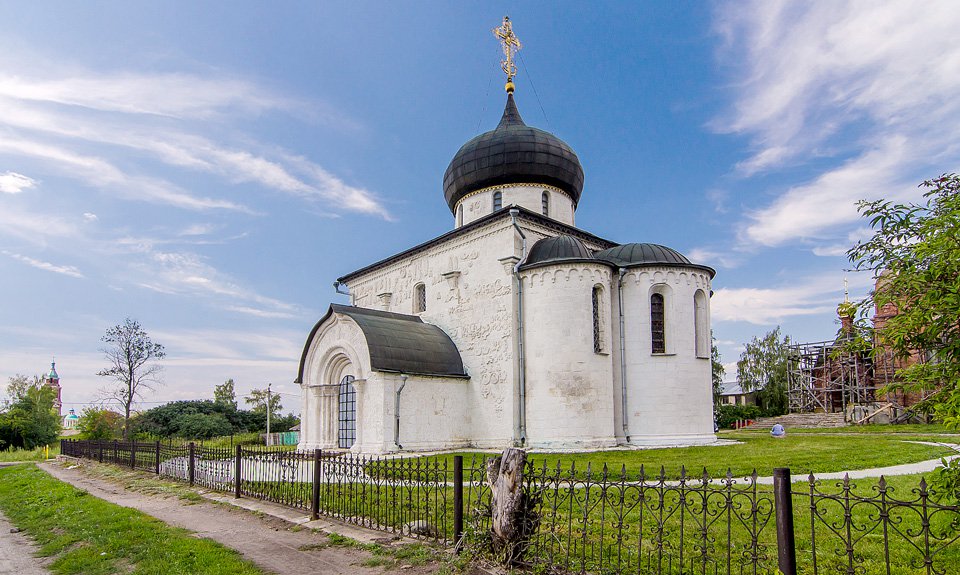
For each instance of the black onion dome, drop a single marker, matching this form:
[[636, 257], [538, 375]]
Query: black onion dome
[[513, 153], [628, 255], [557, 249]]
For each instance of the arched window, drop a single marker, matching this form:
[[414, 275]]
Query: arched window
[[545, 203], [419, 298], [459, 215], [497, 200], [657, 325], [598, 346], [347, 413], [701, 331]]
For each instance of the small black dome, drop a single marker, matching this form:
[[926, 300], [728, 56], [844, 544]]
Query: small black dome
[[557, 249], [513, 153], [628, 255]]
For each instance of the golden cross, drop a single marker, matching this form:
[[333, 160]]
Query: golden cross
[[510, 44]]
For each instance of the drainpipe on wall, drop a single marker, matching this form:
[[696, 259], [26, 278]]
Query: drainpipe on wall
[[623, 359], [396, 412], [514, 212]]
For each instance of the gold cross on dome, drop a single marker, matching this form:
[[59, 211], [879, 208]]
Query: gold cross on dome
[[510, 44]]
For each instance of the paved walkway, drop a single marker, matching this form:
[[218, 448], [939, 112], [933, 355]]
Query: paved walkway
[[903, 469], [277, 539]]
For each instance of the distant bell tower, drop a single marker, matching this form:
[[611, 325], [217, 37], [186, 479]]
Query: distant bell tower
[[53, 382]]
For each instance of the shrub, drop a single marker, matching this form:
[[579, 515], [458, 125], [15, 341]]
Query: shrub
[[727, 415]]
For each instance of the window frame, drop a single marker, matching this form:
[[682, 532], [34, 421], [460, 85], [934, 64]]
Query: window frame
[[658, 325], [419, 298]]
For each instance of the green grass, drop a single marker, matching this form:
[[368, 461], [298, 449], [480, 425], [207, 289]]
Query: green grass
[[91, 536], [38, 454], [614, 528], [872, 429], [802, 453]]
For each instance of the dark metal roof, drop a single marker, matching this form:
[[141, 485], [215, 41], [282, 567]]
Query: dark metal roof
[[641, 254], [398, 343], [562, 248], [525, 214], [513, 153]]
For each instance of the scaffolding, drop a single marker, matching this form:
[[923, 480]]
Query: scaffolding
[[833, 376]]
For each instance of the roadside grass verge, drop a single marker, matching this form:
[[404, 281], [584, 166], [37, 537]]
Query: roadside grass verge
[[37, 454], [803, 454], [141, 482], [87, 535]]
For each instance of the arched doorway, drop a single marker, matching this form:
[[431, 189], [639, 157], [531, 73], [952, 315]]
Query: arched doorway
[[347, 413]]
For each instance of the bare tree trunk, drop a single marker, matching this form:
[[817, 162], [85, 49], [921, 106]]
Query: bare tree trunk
[[513, 519]]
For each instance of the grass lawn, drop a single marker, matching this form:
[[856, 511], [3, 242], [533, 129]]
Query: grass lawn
[[91, 536], [802, 453], [38, 454], [622, 528]]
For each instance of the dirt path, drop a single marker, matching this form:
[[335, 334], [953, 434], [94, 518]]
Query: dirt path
[[267, 541], [16, 553]]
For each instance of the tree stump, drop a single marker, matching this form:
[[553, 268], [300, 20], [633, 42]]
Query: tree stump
[[513, 517]]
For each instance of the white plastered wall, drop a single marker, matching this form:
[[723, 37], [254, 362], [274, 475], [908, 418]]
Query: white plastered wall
[[670, 399], [568, 384], [470, 296], [529, 196]]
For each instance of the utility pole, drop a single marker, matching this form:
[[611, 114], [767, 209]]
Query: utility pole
[[268, 413]]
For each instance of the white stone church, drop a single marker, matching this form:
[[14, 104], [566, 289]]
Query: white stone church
[[515, 328]]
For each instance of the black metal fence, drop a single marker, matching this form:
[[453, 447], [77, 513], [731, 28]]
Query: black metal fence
[[593, 520]]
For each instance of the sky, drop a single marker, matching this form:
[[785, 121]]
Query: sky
[[210, 168]]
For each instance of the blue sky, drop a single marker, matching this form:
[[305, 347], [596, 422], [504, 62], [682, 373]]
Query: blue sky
[[211, 168]]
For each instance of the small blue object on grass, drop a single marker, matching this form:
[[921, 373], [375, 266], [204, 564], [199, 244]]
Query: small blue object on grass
[[778, 431]]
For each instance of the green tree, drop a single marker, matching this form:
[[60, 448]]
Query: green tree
[[915, 253], [29, 419], [224, 394], [258, 399], [201, 426], [18, 385], [99, 423], [763, 368], [133, 368], [717, 371]]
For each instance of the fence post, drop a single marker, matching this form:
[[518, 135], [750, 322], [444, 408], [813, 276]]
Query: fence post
[[317, 476], [100, 446], [116, 451], [133, 454], [190, 464], [157, 458], [236, 474], [786, 546], [457, 501]]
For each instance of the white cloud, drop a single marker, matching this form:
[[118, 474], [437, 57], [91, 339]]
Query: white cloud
[[125, 120], [185, 273], [769, 306], [14, 183], [177, 95], [90, 217], [47, 266], [714, 258], [867, 89]]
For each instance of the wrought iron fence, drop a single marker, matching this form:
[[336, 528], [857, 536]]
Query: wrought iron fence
[[600, 521]]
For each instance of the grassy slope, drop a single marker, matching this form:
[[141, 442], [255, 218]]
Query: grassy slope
[[90, 536], [800, 452]]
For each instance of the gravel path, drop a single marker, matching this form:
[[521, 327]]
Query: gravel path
[[267, 541], [17, 553]]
